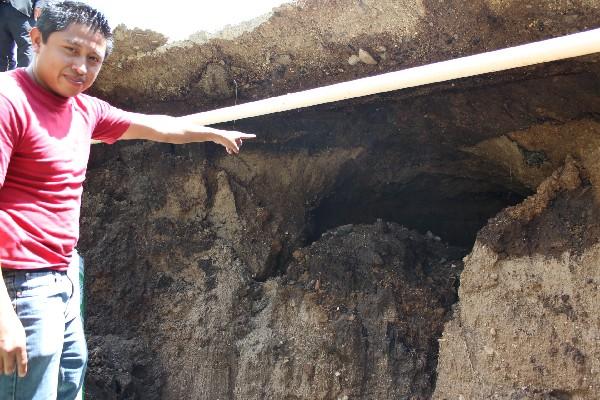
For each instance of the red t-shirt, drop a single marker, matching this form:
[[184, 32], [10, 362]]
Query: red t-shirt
[[44, 150]]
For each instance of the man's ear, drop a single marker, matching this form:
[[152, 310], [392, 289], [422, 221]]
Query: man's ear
[[36, 39]]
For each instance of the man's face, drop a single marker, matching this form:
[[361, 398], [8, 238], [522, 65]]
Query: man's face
[[69, 62]]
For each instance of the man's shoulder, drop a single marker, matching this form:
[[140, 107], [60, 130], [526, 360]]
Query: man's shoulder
[[8, 81], [10, 89]]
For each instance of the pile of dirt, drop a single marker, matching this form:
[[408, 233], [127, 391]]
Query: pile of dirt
[[311, 43], [356, 315], [361, 310]]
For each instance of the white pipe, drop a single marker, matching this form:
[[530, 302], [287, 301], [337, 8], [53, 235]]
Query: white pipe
[[574, 45]]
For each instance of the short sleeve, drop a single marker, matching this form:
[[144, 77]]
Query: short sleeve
[[111, 122], [9, 137], [9, 134]]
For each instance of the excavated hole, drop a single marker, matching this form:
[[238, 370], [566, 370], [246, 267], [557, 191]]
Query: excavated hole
[[182, 269], [448, 207]]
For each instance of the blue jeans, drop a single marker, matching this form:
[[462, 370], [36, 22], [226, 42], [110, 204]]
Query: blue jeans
[[47, 303], [14, 30]]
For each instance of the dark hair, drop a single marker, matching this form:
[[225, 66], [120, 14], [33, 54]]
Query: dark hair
[[58, 15]]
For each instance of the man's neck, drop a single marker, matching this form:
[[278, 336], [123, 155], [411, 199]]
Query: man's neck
[[34, 76]]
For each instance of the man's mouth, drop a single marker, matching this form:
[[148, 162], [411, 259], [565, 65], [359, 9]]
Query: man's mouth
[[75, 80]]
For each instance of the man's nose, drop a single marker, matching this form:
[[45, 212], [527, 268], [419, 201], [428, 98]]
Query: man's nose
[[79, 66]]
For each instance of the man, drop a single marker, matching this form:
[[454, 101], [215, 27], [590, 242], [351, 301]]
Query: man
[[46, 125], [17, 17]]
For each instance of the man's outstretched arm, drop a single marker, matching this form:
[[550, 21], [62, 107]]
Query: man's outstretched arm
[[178, 130]]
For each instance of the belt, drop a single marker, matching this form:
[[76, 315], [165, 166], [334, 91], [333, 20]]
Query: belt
[[11, 273]]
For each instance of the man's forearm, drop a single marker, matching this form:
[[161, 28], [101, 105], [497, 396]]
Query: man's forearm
[[179, 130], [167, 129]]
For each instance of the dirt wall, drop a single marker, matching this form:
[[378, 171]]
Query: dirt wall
[[324, 261], [526, 326]]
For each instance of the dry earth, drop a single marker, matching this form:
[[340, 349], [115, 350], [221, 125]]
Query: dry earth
[[324, 261]]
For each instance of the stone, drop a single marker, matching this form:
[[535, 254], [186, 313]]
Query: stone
[[283, 59], [353, 60], [366, 58]]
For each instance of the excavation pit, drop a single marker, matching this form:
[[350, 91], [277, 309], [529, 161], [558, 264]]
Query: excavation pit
[[303, 268]]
